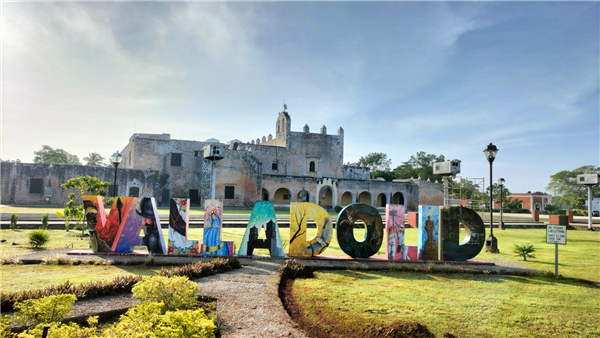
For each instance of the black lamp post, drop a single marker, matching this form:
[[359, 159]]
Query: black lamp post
[[491, 242], [501, 184], [116, 158]]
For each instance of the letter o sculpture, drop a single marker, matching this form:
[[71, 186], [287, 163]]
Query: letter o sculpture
[[371, 244], [474, 237]]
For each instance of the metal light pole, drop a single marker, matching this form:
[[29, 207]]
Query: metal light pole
[[116, 158], [491, 242], [501, 184]]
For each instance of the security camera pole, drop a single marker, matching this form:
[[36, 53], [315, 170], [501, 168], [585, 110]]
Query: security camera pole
[[448, 170], [589, 180], [213, 153]]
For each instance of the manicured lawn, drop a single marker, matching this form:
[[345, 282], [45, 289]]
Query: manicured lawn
[[37, 276], [461, 304]]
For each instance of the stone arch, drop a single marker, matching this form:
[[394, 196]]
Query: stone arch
[[398, 198], [282, 196], [365, 198], [326, 197], [303, 196], [381, 200], [235, 145], [265, 194], [347, 198]]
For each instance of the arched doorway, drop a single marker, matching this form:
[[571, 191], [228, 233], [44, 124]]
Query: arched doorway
[[265, 194], [398, 198], [381, 200], [365, 198], [303, 196], [282, 196], [347, 198], [326, 197]]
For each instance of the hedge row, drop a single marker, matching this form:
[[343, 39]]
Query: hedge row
[[118, 285]]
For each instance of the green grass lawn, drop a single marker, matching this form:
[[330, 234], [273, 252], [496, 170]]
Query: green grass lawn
[[461, 304], [17, 278]]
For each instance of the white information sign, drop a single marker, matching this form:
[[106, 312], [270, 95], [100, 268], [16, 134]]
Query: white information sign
[[556, 234]]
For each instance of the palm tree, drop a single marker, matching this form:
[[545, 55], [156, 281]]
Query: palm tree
[[524, 250], [94, 159]]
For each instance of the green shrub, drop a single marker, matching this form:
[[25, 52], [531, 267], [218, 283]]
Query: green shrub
[[580, 212], [5, 323], [14, 218], [176, 292], [44, 310], [295, 269], [44, 221], [521, 211], [151, 319], [524, 250], [38, 238], [338, 208]]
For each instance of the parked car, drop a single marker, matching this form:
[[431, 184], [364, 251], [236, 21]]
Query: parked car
[[596, 213]]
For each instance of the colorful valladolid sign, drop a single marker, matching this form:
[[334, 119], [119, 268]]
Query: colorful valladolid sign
[[438, 230]]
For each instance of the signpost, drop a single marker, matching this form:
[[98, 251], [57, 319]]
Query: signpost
[[556, 234]]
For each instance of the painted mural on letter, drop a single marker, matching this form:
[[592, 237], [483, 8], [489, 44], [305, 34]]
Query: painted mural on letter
[[428, 240], [121, 229], [263, 217], [211, 242], [300, 213], [395, 248], [474, 234], [179, 220], [373, 240]]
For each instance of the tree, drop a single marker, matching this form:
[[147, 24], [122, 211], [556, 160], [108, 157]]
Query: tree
[[49, 155], [94, 159], [498, 191], [567, 192], [419, 165], [379, 164], [87, 185]]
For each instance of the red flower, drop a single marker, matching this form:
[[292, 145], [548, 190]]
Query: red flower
[[183, 203], [170, 249], [194, 250]]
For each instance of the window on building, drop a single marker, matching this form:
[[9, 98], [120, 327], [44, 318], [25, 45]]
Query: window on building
[[196, 153], [36, 185], [134, 192], [274, 166], [229, 192], [311, 166], [175, 160], [286, 197]]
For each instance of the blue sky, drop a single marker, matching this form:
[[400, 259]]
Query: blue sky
[[399, 77]]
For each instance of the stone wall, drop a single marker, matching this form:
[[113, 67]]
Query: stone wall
[[17, 181], [430, 193]]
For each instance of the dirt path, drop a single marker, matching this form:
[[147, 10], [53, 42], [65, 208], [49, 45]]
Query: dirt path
[[248, 301]]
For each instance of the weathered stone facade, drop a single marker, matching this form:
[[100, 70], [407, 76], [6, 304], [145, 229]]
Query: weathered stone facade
[[292, 167], [39, 184]]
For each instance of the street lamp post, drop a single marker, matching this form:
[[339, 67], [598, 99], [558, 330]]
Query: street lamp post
[[501, 184], [491, 242], [116, 158]]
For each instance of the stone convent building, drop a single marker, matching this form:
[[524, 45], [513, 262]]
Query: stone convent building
[[290, 167]]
